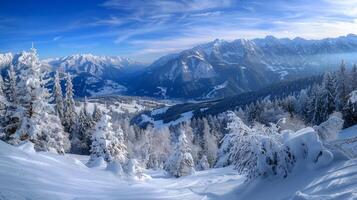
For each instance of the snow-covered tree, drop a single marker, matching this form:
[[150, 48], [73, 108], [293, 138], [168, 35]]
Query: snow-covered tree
[[180, 163], [350, 110], [354, 77], [341, 87], [317, 104], [97, 113], [37, 120], [159, 149], [210, 147], [11, 90], [329, 129], [107, 143], [203, 163], [2, 90], [58, 96], [81, 137], [11, 119], [303, 105], [254, 153], [328, 85], [69, 115], [3, 106], [289, 104]]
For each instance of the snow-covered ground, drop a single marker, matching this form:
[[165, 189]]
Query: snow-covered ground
[[25, 174]]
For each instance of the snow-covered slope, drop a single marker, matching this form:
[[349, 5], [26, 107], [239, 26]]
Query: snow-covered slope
[[244, 65], [25, 174]]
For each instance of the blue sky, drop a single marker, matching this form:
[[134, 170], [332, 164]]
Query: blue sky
[[146, 29]]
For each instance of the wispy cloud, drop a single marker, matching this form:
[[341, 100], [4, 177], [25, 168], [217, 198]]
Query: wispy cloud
[[147, 29], [158, 7]]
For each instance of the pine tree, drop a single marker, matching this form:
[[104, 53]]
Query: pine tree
[[11, 90], [81, 137], [58, 96], [3, 107], [341, 87], [107, 143], [354, 77], [37, 120], [69, 114], [180, 163], [210, 147], [303, 105], [328, 85], [97, 113], [317, 105], [203, 163], [11, 120]]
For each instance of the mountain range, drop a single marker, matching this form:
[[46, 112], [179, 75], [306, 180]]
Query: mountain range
[[213, 70]]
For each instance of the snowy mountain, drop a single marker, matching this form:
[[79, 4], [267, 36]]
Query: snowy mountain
[[208, 71], [95, 65], [221, 68], [96, 75], [92, 75]]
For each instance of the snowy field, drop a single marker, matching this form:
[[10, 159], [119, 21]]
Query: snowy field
[[25, 174]]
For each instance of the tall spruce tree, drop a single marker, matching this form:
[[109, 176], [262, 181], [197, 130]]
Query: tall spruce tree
[[341, 87], [58, 96], [180, 163], [69, 115], [107, 143], [37, 120], [328, 85]]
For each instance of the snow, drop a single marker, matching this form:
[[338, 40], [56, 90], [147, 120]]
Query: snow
[[132, 106], [110, 87], [42, 175], [216, 88], [159, 111], [306, 145], [160, 123], [348, 133], [353, 96]]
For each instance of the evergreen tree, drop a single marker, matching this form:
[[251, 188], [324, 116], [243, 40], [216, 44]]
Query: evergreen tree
[[11, 90], [69, 114], [58, 96], [203, 163], [341, 87], [210, 147], [37, 120], [328, 85], [81, 137], [350, 110], [354, 77], [317, 105], [11, 121], [107, 143], [97, 113], [180, 163], [3, 107], [303, 105]]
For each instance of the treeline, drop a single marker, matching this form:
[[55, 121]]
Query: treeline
[[312, 105]]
